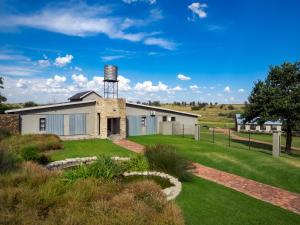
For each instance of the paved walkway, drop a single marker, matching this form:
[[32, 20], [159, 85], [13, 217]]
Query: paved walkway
[[276, 196]]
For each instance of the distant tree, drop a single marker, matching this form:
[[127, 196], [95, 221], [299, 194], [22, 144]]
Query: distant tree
[[230, 107], [30, 104], [277, 97], [2, 98]]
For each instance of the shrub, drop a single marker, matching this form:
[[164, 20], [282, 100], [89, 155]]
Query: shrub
[[43, 142], [4, 133], [104, 168], [8, 160], [137, 163], [164, 158], [43, 159], [30, 152], [195, 108], [230, 107]]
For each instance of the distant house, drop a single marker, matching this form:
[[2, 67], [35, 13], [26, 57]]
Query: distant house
[[253, 126]]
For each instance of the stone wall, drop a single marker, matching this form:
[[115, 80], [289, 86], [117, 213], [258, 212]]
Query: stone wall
[[10, 122]]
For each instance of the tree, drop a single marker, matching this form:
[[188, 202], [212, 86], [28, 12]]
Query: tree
[[2, 98], [30, 104], [277, 97]]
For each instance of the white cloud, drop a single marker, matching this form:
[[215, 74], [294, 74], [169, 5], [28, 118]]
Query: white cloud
[[194, 87], [198, 10], [80, 80], [12, 56], [169, 45], [124, 83], [78, 68], [147, 86], [133, 1], [108, 58], [21, 83], [63, 60], [241, 90], [227, 89], [56, 81], [44, 62], [177, 88], [18, 70], [183, 77]]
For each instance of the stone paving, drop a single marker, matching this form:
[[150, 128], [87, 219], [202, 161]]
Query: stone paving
[[276, 196]]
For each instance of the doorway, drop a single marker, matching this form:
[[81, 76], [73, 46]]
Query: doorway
[[113, 126]]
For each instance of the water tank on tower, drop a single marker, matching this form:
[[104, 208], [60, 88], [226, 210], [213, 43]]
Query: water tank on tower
[[110, 81]]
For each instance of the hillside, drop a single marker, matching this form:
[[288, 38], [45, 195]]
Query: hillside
[[212, 115]]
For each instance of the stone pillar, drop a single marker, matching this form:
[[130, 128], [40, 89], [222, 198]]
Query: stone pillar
[[276, 144], [197, 132]]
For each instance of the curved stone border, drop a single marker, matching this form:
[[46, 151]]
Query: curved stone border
[[171, 192], [71, 162]]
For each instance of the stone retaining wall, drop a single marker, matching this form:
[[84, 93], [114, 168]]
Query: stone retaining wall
[[10, 122]]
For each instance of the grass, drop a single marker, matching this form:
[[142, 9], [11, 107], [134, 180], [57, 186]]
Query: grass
[[207, 203], [212, 115], [283, 172], [83, 148]]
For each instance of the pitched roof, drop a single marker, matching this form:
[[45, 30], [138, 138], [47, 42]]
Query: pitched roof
[[162, 109], [241, 120], [79, 96], [48, 106]]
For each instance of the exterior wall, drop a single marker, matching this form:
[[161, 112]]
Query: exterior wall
[[267, 129], [188, 121], [238, 128], [10, 122], [30, 120], [247, 127], [257, 128], [110, 108], [92, 96]]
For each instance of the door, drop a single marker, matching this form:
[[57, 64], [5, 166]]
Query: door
[[134, 125], [55, 124], [151, 125]]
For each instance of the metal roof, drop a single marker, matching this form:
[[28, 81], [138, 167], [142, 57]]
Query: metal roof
[[48, 106], [241, 120], [162, 109]]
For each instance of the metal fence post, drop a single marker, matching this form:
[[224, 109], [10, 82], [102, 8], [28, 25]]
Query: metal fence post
[[229, 137]]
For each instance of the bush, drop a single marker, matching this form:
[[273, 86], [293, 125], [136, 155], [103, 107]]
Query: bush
[[8, 160], [195, 108], [164, 158], [30, 152], [104, 168], [137, 163], [231, 107], [43, 159], [43, 142], [4, 133]]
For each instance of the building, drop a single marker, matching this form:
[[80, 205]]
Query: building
[[253, 126], [89, 115]]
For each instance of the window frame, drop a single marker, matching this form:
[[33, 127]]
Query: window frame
[[42, 124], [165, 118], [143, 121], [173, 118]]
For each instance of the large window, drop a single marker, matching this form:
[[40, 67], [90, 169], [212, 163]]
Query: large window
[[143, 121], [164, 118], [42, 124], [173, 118]]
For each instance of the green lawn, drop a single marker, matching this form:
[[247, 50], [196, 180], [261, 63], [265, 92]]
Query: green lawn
[[94, 147], [207, 203], [283, 172], [268, 138]]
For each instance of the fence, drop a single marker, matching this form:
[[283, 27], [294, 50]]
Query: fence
[[241, 140], [176, 128]]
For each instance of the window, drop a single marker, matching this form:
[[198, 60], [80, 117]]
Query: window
[[252, 127], [42, 124], [173, 118], [143, 121], [164, 119]]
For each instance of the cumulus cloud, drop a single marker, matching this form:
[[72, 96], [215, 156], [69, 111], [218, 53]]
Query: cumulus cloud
[[21, 83], [151, 2], [63, 60], [194, 87], [147, 86], [80, 80], [241, 90], [56, 81], [166, 44], [44, 62], [177, 88], [183, 77], [198, 9], [227, 89]]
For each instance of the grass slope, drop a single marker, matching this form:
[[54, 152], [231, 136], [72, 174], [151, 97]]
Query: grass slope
[[207, 203], [283, 172], [94, 147]]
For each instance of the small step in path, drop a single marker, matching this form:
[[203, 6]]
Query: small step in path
[[276, 196]]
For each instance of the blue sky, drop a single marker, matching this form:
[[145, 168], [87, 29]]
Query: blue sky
[[176, 50]]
